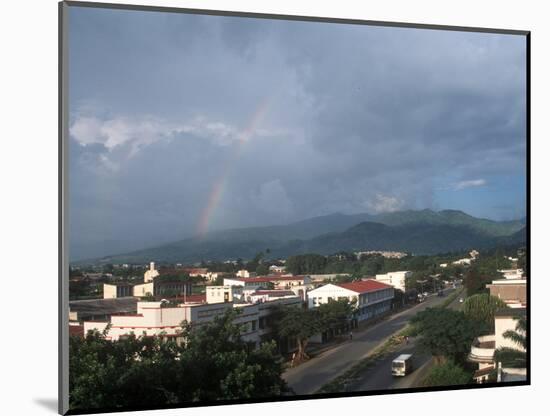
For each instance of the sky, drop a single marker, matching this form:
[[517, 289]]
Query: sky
[[183, 124]]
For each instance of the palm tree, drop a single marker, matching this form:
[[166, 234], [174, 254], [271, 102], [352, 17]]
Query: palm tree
[[512, 357]]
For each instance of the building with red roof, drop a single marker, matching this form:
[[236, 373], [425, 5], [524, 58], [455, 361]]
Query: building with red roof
[[370, 298]]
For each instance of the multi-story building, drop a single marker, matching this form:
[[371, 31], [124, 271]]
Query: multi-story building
[[514, 293], [483, 348], [370, 298], [100, 309], [396, 279], [511, 291], [221, 294], [298, 284], [150, 274], [153, 284], [165, 320]]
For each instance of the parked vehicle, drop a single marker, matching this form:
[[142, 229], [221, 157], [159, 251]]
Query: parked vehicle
[[402, 365]]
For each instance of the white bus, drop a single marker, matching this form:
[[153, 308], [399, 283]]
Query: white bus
[[402, 365]]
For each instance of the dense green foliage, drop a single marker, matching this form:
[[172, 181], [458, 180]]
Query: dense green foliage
[[213, 364], [446, 334], [335, 316], [447, 374], [300, 324], [482, 307]]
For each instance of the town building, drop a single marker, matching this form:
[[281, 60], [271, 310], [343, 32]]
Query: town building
[[298, 284], [512, 273], [325, 278], [100, 309], [150, 274], [483, 348], [514, 293], [165, 320], [371, 298], [277, 269], [511, 291], [396, 279], [245, 274], [117, 290], [153, 285], [224, 294]]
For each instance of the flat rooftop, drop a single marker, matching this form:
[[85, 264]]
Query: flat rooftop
[[95, 307]]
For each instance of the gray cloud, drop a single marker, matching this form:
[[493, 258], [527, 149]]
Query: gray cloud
[[358, 119]]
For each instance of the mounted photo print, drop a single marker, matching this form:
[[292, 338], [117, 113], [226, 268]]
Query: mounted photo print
[[263, 208]]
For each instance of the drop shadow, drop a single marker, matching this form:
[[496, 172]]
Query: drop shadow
[[47, 403]]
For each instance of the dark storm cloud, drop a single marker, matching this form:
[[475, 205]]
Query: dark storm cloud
[[358, 119]]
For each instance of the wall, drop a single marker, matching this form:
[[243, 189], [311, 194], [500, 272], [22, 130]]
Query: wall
[[502, 324]]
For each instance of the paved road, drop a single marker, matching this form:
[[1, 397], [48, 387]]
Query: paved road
[[308, 377], [379, 377]]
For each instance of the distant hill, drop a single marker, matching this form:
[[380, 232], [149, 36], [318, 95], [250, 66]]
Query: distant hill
[[414, 238], [419, 232]]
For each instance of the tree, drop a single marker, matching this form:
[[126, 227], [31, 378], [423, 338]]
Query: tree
[[217, 364], [256, 261], [482, 307], [335, 316], [476, 280], [262, 269], [513, 357], [306, 264], [447, 334], [447, 374], [214, 363], [300, 324]]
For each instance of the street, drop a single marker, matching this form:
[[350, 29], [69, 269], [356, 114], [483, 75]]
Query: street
[[308, 377], [379, 377]]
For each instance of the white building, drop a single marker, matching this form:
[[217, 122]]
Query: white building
[[462, 262], [277, 269], [150, 274], [512, 273], [159, 319], [370, 297], [221, 294], [483, 348], [395, 279], [245, 274]]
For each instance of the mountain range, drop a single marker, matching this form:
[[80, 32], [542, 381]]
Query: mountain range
[[419, 232]]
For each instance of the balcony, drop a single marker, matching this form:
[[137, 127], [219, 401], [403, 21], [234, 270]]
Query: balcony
[[483, 349]]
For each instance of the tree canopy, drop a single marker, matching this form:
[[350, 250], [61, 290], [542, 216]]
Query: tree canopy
[[213, 364], [447, 334], [482, 307], [447, 374]]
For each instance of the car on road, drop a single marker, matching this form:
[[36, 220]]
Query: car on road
[[461, 300], [402, 365]]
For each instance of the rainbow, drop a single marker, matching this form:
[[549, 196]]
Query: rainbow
[[218, 187]]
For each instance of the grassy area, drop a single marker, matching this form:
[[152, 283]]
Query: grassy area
[[339, 383], [451, 298]]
